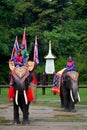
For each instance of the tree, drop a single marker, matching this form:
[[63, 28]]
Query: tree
[[64, 22]]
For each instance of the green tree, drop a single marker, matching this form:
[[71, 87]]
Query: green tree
[[64, 22]]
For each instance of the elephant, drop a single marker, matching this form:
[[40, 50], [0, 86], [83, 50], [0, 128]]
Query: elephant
[[69, 94], [20, 92]]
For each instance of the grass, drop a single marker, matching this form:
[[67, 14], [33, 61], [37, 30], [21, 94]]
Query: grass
[[3, 96], [51, 100], [47, 99], [48, 95], [42, 99]]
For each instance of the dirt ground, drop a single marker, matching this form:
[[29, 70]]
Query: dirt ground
[[45, 118]]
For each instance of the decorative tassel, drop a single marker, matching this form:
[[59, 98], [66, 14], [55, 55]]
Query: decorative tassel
[[11, 93], [30, 95], [34, 81], [56, 90], [10, 99]]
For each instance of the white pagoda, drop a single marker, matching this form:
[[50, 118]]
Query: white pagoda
[[50, 67]]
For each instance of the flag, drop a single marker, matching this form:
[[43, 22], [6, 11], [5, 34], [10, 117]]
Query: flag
[[36, 60], [15, 48], [24, 39]]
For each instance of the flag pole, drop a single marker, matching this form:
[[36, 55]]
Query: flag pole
[[35, 58], [24, 42], [13, 49]]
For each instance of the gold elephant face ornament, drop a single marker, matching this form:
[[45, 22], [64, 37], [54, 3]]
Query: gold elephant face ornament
[[31, 65], [11, 65]]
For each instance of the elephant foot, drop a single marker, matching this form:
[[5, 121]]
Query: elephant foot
[[16, 122], [69, 110], [73, 110], [26, 122], [61, 106], [66, 110]]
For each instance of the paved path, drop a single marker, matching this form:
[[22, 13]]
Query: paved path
[[45, 118]]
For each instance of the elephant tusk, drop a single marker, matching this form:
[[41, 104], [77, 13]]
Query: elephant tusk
[[26, 101], [71, 96], [16, 97], [78, 96]]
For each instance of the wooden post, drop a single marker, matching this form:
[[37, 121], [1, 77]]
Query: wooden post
[[43, 83], [46, 79]]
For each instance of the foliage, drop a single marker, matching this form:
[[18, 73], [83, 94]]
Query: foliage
[[64, 22]]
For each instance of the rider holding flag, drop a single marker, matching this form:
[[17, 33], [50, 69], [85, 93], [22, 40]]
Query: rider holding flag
[[19, 60]]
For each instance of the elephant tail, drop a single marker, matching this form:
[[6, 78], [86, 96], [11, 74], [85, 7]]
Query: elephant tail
[[29, 94]]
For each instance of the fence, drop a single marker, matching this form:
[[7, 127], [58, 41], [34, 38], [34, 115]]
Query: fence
[[41, 86], [44, 81]]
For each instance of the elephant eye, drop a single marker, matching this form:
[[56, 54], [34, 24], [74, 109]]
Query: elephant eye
[[68, 77]]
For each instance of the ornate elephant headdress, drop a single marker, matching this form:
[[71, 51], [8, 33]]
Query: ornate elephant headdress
[[30, 65], [73, 75]]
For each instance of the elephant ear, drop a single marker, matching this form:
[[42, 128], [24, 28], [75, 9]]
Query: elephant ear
[[11, 65], [31, 65]]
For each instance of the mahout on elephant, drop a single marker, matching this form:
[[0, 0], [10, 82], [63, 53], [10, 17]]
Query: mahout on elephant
[[67, 88], [20, 91], [69, 91]]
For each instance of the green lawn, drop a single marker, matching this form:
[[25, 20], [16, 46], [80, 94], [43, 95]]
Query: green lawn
[[47, 98], [48, 95]]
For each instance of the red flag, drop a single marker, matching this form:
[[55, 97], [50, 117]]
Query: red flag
[[15, 48], [24, 39], [36, 60]]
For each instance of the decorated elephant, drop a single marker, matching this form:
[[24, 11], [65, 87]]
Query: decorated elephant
[[20, 91], [67, 89]]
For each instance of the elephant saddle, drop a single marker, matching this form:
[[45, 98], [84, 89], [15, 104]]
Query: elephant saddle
[[57, 81], [20, 73]]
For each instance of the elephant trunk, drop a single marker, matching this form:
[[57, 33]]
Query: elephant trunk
[[16, 97], [26, 101]]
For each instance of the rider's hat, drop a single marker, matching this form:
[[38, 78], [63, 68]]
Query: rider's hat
[[18, 51], [22, 46], [70, 58]]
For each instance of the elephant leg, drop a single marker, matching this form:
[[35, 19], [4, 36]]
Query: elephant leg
[[24, 108], [26, 114], [72, 106], [15, 113], [65, 98], [21, 107], [61, 98]]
